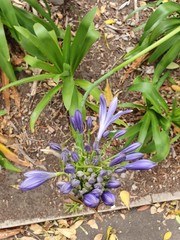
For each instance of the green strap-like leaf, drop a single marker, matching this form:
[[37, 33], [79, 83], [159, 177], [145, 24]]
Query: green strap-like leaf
[[160, 138], [84, 84], [41, 77], [145, 123], [7, 165], [151, 94], [5, 63], [42, 104], [67, 45]]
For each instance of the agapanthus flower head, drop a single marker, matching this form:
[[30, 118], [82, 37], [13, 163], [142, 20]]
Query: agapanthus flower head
[[77, 121], [91, 200], [108, 198], [35, 178], [64, 155], [108, 117], [134, 156], [131, 147]]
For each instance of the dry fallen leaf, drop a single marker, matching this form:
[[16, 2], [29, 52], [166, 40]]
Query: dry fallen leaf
[[98, 236], [5, 234], [153, 210], [92, 223], [27, 238], [36, 228], [6, 92], [143, 208], [167, 235], [176, 88], [113, 237], [108, 93], [77, 224], [125, 198], [13, 157], [67, 232]]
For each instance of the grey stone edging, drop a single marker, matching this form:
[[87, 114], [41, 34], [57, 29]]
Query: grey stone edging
[[149, 199]]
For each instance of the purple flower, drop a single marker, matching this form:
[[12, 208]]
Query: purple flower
[[106, 133], [65, 187], [103, 172], [75, 156], [91, 200], [143, 164], [120, 158], [120, 170], [69, 168], [89, 122], [131, 147], [35, 179], [134, 156], [77, 121], [108, 198], [120, 133], [113, 184], [64, 155], [75, 183], [55, 146], [87, 148], [97, 192], [108, 117]]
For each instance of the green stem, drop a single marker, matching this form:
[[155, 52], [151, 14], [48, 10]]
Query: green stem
[[108, 74]]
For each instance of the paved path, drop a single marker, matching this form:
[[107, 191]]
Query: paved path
[[135, 226]]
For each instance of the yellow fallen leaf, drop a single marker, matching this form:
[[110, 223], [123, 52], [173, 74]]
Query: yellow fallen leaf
[[125, 198], [13, 157], [37, 229], [110, 21], [113, 237], [167, 235], [176, 88], [108, 93], [98, 12], [92, 223], [98, 236], [165, 1], [173, 65]]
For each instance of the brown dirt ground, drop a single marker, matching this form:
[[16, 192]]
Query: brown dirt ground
[[53, 123]]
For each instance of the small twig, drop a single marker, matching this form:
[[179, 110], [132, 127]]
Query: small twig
[[137, 13]]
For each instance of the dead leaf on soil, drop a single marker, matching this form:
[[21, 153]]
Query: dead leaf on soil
[[110, 235], [176, 88], [98, 236], [153, 210], [13, 157], [92, 223], [143, 208], [4, 234], [6, 140], [37, 229], [77, 224], [6, 92], [167, 235], [108, 93], [16, 97], [27, 238], [133, 66], [67, 232], [125, 198]]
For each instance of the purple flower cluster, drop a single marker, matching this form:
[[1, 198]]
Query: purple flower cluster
[[90, 174]]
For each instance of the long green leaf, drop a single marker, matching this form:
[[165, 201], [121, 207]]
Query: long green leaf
[[7, 165], [165, 61], [161, 12], [4, 55], [84, 84], [145, 123], [79, 39], [67, 45], [160, 138], [151, 94], [42, 104], [41, 77], [37, 63]]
